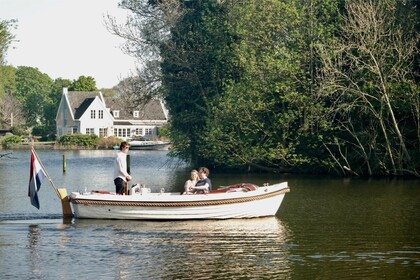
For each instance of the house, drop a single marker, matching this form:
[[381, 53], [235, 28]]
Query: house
[[90, 113]]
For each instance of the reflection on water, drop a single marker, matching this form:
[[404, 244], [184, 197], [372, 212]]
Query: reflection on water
[[198, 249], [107, 249]]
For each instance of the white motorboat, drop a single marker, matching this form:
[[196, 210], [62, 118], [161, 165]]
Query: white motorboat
[[235, 201], [149, 145]]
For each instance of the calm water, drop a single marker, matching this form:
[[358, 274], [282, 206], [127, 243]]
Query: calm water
[[326, 228]]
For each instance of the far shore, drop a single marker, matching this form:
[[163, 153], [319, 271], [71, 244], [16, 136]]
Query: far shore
[[52, 146]]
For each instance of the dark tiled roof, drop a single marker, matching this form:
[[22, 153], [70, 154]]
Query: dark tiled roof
[[152, 110], [80, 101], [122, 123], [83, 107]]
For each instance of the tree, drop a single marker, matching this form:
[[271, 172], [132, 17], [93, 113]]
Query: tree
[[147, 27], [239, 88], [32, 89], [6, 38], [11, 114], [369, 80], [7, 81], [83, 83], [234, 79]]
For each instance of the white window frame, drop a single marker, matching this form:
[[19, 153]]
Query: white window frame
[[139, 131], [90, 130], [103, 132]]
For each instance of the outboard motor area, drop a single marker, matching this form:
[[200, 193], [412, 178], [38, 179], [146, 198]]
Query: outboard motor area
[[135, 189]]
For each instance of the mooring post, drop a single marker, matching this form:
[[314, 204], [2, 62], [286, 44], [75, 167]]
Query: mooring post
[[64, 164], [128, 164]]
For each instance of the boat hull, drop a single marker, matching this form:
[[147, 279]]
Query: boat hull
[[149, 145], [265, 201]]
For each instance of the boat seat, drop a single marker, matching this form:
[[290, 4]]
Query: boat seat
[[102, 192], [241, 187]]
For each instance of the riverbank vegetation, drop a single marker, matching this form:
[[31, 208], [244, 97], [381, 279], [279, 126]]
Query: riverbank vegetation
[[319, 86], [66, 142], [325, 86]]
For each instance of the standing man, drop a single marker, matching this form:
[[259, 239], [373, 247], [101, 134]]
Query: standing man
[[120, 169]]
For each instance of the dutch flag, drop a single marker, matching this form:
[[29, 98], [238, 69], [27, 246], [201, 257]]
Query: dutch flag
[[35, 179]]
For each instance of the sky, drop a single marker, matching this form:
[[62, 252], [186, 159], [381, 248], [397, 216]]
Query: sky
[[67, 39]]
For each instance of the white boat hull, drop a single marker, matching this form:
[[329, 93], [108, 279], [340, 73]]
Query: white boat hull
[[265, 201], [149, 145]]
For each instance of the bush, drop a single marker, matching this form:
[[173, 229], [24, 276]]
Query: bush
[[163, 132], [108, 142], [11, 140], [79, 140]]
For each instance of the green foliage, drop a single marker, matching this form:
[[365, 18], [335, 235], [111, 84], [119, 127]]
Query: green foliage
[[6, 38], [248, 83], [79, 140], [32, 88], [237, 89], [11, 140], [193, 68], [83, 83], [7, 80], [163, 132]]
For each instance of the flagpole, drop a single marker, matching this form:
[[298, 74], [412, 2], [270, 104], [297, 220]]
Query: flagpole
[[46, 173]]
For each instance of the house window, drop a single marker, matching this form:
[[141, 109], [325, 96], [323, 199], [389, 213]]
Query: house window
[[116, 114], [122, 132], [100, 114], [74, 129], [136, 114], [92, 114], [148, 131], [90, 131], [103, 132], [139, 131]]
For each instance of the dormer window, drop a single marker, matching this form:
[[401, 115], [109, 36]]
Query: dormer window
[[136, 114], [116, 113]]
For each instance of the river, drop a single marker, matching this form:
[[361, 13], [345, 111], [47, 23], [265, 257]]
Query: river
[[326, 228]]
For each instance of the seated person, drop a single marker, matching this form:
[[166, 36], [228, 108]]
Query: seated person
[[204, 184], [191, 183]]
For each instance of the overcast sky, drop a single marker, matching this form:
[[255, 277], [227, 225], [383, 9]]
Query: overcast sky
[[68, 39]]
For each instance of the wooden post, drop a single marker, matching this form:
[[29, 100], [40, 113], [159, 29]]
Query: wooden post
[[128, 164], [64, 164], [128, 159]]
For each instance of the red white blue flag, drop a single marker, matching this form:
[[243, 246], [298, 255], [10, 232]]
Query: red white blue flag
[[35, 179]]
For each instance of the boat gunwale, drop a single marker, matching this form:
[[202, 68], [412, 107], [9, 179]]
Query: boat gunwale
[[89, 201]]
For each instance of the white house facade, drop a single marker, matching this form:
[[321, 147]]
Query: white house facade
[[89, 113]]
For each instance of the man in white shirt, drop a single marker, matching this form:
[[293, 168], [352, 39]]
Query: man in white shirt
[[120, 169]]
